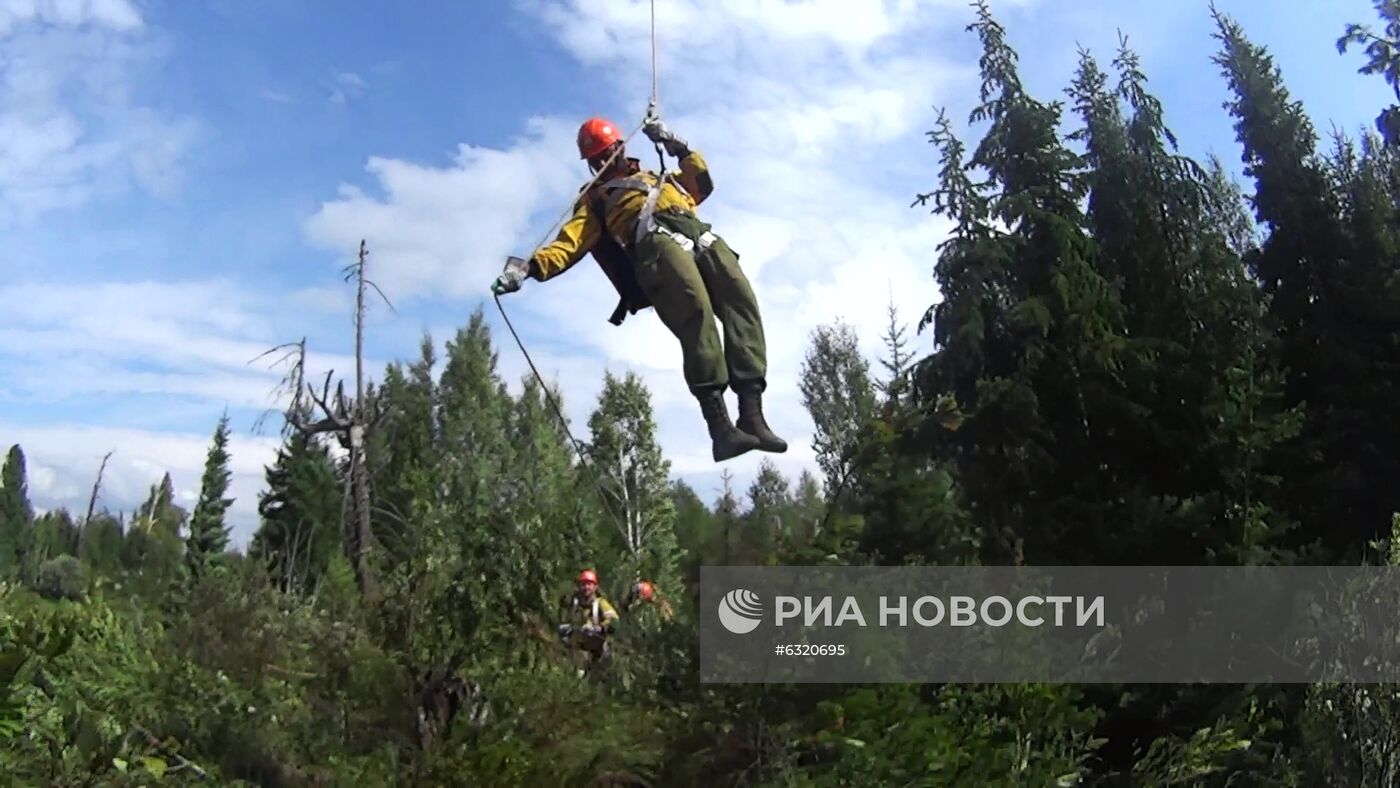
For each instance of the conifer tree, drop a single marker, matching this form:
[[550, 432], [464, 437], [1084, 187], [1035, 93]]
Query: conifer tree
[[16, 514], [1333, 304], [208, 536], [301, 515]]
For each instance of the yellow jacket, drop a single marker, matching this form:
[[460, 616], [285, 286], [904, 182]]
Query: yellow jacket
[[600, 613], [621, 200]]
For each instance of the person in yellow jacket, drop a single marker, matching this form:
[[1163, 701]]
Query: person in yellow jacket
[[590, 619], [642, 229]]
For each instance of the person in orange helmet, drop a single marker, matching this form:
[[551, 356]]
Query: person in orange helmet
[[591, 618], [642, 229]]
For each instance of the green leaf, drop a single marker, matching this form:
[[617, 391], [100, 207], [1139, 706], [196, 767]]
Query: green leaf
[[156, 766], [120, 764]]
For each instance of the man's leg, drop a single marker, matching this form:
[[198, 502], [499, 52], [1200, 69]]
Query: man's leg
[[745, 347], [669, 276]]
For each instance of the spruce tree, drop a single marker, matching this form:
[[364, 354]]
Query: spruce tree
[[1332, 303], [898, 359], [16, 514], [1028, 334], [208, 536], [301, 515]]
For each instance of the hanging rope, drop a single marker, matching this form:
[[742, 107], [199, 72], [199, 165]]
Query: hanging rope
[[655, 96]]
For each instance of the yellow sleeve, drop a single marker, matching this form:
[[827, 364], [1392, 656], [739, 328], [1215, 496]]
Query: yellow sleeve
[[575, 239], [695, 177], [605, 609]]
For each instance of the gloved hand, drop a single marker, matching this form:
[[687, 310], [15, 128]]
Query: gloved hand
[[510, 278], [565, 630], [657, 132]]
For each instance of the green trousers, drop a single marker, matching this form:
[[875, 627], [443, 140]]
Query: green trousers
[[689, 289]]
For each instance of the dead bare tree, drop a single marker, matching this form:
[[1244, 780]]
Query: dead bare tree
[[92, 501], [348, 420]]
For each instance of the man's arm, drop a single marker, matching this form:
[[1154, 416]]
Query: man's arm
[[695, 177], [608, 614], [575, 239]]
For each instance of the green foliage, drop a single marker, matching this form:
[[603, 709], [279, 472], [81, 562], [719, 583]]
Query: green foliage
[[840, 397], [633, 476], [152, 547]]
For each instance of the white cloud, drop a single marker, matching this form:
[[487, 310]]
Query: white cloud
[[118, 15], [447, 231], [191, 339], [346, 85], [70, 129]]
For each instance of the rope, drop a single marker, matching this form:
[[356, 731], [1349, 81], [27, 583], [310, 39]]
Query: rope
[[655, 97], [554, 405]]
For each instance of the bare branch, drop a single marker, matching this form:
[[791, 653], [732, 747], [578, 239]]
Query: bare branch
[[97, 485], [387, 303]]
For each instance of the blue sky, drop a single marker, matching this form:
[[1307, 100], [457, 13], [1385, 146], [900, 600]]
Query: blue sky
[[180, 182]]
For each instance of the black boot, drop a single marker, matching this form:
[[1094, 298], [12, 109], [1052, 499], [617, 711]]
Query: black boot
[[751, 417], [728, 441]]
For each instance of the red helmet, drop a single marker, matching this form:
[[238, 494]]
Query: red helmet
[[644, 590], [588, 576], [595, 136]]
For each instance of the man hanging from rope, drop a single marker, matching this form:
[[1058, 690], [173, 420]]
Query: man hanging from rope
[[643, 231]]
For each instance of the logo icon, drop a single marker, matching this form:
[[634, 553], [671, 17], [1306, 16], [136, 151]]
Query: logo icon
[[740, 611]]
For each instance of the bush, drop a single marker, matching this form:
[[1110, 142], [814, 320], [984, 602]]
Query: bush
[[64, 577]]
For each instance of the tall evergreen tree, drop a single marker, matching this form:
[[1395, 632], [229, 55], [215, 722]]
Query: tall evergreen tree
[[301, 515], [16, 513], [1028, 335], [404, 448], [208, 536], [1193, 330], [1334, 306]]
